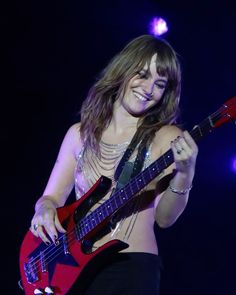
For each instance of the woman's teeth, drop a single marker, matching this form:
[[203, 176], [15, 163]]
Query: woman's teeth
[[140, 97]]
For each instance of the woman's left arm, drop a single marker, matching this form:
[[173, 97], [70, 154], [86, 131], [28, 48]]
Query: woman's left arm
[[172, 202]]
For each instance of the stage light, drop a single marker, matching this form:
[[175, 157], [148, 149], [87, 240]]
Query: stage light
[[158, 26], [234, 165]]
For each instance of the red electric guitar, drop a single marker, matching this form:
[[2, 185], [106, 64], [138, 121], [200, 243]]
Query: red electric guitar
[[56, 269]]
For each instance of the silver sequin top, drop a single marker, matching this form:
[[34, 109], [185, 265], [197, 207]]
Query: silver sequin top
[[90, 168]]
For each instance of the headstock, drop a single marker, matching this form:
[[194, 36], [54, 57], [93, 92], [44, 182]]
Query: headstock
[[225, 114]]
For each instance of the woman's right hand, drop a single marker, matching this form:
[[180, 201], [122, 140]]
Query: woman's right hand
[[45, 223]]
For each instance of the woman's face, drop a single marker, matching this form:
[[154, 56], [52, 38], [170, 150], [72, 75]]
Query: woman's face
[[144, 90]]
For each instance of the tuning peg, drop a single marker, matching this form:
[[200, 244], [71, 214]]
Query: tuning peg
[[48, 290], [38, 291]]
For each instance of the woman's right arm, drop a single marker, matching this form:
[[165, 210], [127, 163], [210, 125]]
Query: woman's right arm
[[59, 186]]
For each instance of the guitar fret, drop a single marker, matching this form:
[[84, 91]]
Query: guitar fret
[[150, 171], [164, 158], [210, 120], [86, 228], [170, 159], [78, 231], [108, 208], [116, 206], [93, 220], [128, 192], [118, 201], [138, 183], [100, 216], [105, 209], [123, 196], [131, 189], [113, 204], [135, 187]]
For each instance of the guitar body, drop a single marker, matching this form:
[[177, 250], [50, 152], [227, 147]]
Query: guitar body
[[59, 267]]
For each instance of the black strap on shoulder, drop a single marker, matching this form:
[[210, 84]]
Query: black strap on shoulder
[[138, 163]]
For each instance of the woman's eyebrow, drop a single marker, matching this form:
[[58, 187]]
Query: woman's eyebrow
[[162, 80]]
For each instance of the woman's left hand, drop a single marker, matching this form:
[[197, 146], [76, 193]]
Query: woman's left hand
[[185, 152]]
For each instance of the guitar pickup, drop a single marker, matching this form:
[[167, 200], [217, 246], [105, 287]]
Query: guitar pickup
[[65, 245], [42, 262], [30, 269]]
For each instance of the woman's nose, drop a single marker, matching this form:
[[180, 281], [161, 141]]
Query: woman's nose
[[148, 87]]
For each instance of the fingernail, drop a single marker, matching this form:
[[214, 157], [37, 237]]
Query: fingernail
[[56, 242]]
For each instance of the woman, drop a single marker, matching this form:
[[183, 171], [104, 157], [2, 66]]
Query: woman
[[133, 105]]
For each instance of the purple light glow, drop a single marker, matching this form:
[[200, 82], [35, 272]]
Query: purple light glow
[[158, 26], [234, 165]]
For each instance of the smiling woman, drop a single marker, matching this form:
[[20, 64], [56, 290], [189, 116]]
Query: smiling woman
[[128, 120], [113, 83], [144, 90]]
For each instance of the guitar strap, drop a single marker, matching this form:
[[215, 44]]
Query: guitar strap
[[127, 170]]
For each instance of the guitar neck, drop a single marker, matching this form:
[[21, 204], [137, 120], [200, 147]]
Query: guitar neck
[[136, 184]]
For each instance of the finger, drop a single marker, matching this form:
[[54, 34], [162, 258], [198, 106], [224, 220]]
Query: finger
[[33, 226], [34, 232], [58, 225], [176, 151], [182, 145], [47, 220], [190, 141], [51, 231], [42, 235], [177, 145]]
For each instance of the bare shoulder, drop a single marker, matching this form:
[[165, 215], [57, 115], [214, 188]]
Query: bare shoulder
[[165, 135], [73, 138], [169, 132], [74, 130]]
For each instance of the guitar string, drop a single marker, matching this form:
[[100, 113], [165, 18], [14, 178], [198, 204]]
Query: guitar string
[[70, 235]]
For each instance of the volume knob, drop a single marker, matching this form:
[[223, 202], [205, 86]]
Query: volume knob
[[38, 291], [48, 290]]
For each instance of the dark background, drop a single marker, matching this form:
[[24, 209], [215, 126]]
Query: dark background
[[51, 54]]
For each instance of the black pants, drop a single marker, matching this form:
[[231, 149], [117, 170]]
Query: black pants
[[128, 274]]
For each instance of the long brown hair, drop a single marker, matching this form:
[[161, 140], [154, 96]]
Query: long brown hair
[[97, 109]]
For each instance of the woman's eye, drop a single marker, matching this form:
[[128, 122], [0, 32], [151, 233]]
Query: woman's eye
[[161, 86], [142, 74]]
